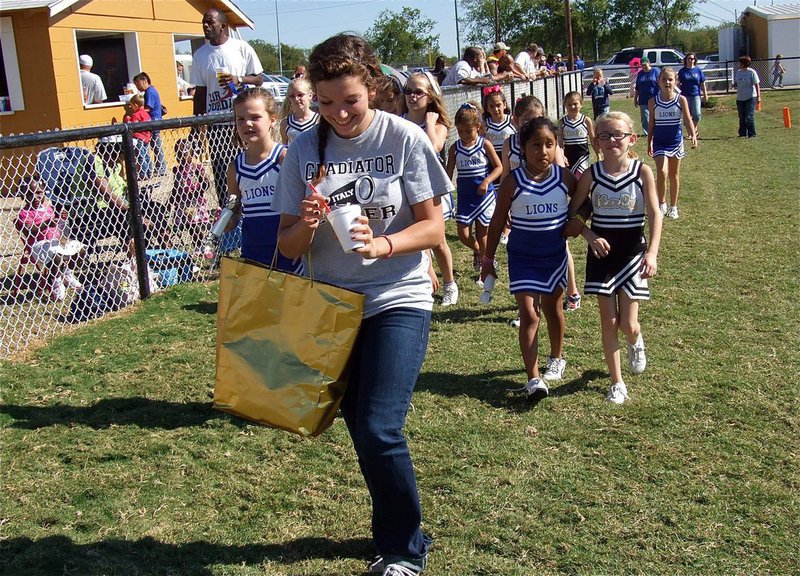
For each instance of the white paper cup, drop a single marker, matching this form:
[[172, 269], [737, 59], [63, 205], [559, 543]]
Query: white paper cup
[[342, 219]]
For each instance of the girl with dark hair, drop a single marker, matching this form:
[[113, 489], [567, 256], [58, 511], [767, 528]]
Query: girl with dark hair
[[537, 195], [387, 166]]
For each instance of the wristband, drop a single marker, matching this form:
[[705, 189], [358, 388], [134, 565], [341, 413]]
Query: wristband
[[391, 246]]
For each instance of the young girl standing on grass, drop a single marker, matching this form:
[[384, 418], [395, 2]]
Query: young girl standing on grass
[[575, 132], [252, 177], [537, 194], [496, 117], [478, 167], [422, 104], [665, 139], [385, 164], [619, 260], [302, 117]]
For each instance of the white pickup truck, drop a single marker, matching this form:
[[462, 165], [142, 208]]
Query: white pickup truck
[[617, 69]]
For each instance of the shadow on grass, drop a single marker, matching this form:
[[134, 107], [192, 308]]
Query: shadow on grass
[[60, 555], [457, 315], [495, 388], [202, 307], [142, 412]]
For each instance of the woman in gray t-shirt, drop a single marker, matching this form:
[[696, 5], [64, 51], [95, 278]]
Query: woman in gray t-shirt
[[748, 94], [387, 166]]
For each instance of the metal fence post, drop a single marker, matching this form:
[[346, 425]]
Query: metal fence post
[[135, 212]]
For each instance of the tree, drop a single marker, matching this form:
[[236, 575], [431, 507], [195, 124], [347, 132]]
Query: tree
[[669, 14], [268, 55], [403, 37]]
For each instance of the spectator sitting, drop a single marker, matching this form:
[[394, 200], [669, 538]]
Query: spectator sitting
[[41, 230], [187, 199]]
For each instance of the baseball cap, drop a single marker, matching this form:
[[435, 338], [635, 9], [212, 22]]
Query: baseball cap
[[501, 46], [558, 55], [645, 60], [86, 60], [540, 51]]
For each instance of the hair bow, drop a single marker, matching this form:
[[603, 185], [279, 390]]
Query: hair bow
[[490, 89], [467, 106]]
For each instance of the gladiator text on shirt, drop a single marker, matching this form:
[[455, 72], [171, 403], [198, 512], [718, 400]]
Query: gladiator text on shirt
[[375, 165]]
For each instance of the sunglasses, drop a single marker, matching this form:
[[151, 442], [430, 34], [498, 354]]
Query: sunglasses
[[418, 93], [618, 135]]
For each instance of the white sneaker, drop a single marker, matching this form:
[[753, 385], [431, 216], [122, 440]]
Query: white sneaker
[[503, 239], [515, 322], [618, 393], [673, 213], [555, 369], [663, 208], [71, 281], [450, 294], [399, 570], [536, 389], [637, 360]]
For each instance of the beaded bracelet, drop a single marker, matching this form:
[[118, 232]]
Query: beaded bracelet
[[391, 246]]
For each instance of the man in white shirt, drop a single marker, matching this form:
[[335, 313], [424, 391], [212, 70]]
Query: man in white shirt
[[220, 68], [525, 59], [466, 71], [93, 90]]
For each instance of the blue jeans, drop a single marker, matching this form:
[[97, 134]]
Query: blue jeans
[[695, 109], [384, 368], [144, 167], [158, 153], [644, 114], [747, 121]]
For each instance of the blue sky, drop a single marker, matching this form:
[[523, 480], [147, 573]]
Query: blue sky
[[304, 23]]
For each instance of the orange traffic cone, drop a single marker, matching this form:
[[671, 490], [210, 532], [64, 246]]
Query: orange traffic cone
[[787, 118]]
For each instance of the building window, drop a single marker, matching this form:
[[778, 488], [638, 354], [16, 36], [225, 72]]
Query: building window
[[115, 56], [10, 82]]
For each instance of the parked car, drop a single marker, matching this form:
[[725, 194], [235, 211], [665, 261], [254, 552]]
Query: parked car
[[618, 68], [277, 85]]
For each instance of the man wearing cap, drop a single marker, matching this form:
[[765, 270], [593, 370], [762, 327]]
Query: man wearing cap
[[93, 90], [560, 65], [646, 87]]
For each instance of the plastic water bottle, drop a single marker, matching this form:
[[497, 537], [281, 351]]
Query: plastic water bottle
[[488, 286], [218, 229]]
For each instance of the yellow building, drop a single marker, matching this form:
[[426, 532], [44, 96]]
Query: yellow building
[[41, 41]]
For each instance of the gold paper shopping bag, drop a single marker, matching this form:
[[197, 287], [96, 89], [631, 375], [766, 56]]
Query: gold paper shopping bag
[[283, 345]]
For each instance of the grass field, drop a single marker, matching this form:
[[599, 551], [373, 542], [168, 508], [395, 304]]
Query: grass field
[[113, 462]]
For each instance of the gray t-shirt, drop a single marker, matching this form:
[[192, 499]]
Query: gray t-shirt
[[388, 168], [745, 80]]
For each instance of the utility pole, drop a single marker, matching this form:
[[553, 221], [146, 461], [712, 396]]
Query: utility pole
[[496, 22], [458, 38], [278, 27], [568, 18]]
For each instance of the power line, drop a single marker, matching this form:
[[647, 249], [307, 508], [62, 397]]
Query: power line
[[722, 7], [328, 7]]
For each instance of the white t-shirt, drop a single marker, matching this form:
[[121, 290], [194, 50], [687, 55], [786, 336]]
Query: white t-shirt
[[93, 90], [526, 62], [458, 72], [234, 56], [386, 169]]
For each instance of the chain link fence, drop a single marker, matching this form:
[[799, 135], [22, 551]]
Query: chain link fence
[[93, 219]]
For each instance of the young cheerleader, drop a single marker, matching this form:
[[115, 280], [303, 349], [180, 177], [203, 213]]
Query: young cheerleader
[[356, 144], [302, 117], [422, 104], [619, 260], [527, 108], [478, 167], [665, 139], [537, 194], [252, 177], [496, 117], [575, 132]]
